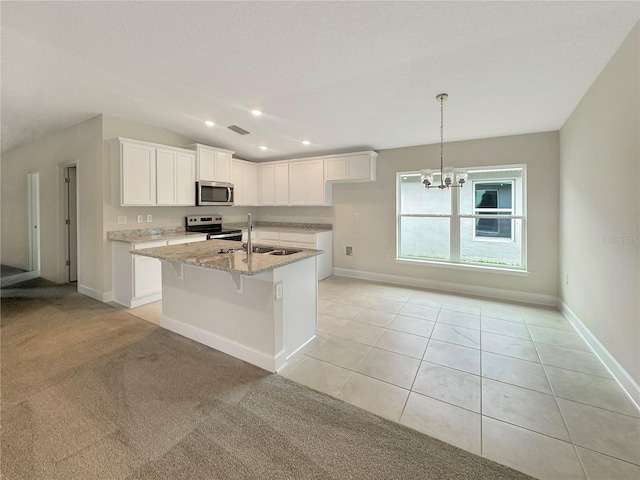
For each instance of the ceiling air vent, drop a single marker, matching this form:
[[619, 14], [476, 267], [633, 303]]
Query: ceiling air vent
[[237, 129]]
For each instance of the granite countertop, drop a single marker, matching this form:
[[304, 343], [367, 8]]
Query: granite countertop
[[285, 227], [205, 254], [134, 236]]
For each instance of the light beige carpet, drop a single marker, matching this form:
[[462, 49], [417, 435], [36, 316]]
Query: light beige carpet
[[91, 392]]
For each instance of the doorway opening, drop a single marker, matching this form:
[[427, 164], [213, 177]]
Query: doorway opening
[[71, 223]]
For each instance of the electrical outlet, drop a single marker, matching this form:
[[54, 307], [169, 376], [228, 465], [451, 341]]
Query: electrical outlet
[[122, 220], [387, 258], [140, 218], [149, 218], [350, 251], [278, 291]]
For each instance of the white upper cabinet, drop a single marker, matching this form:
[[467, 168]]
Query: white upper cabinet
[[212, 164], [250, 183], [266, 177], [273, 184], [281, 183], [152, 174], [138, 174], [244, 176], [352, 167], [306, 182], [175, 177]]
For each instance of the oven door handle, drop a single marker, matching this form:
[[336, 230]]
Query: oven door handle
[[229, 194]]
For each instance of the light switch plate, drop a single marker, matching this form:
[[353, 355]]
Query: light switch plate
[[122, 220], [278, 291], [140, 218]]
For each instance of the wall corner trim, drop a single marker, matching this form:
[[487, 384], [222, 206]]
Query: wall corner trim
[[626, 381]]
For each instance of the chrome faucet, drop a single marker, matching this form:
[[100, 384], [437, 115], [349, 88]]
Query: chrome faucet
[[249, 229]]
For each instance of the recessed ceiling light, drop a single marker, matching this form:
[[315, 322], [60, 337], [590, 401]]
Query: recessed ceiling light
[[262, 147], [306, 142], [209, 123], [256, 112]]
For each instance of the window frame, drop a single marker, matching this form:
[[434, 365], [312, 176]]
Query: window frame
[[455, 218]]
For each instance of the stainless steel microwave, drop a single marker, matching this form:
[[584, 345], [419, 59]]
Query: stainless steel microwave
[[214, 193]]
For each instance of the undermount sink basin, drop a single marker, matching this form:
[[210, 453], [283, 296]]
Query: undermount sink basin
[[283, 251], [263, 249]]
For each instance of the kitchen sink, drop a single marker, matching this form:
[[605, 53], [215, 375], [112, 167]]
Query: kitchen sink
[[263, 249], [266, 250], [283, 251]]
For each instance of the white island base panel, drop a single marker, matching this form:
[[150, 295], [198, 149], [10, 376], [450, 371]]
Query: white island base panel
[[239, 314]]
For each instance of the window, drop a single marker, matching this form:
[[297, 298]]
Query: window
[[494, 198], [482, 223]]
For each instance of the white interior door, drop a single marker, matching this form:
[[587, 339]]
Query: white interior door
[[33, 200]]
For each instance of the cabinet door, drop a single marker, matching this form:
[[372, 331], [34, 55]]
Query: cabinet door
[[222, 167], [166, 177], [297, 183], [250, 183], [267, 196], [315, 182], [206, 165], [268, 237], [147, 276], [137, 174], [358, 167], [336, 168], [185, 178], [281, 184], [238, 182]]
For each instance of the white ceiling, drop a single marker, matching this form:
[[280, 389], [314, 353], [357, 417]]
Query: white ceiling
[[345, 75]]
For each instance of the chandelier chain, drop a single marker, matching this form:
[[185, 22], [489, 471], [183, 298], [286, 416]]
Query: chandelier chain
[[441, 133]]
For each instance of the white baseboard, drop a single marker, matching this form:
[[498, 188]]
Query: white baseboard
[[107, 296], [254, 357], [20, 277], [628, 384], [91, 292], [524, 297]]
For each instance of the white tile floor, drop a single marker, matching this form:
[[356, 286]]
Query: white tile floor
[[512, 383]]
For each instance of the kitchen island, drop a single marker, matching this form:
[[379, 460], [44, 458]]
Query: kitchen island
[[260, 308]]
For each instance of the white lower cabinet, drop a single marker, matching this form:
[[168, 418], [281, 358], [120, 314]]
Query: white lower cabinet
[[318, 241], [137, 280], [147, 276]]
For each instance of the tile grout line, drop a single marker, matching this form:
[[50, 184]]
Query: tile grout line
[[482, 453], [564, 420]]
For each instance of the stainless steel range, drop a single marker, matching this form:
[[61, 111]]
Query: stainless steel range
[[212, 226]]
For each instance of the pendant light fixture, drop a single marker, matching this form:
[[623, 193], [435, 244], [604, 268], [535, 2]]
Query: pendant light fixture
[[449, 177]]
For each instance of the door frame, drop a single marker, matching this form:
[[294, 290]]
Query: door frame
[[63, 269], [33, 222]]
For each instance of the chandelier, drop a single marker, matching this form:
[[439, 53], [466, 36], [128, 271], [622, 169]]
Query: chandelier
[[449, 177]]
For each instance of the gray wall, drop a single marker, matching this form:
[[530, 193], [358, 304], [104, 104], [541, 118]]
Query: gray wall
[[365, 214], [600, 208], [80, 145]]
